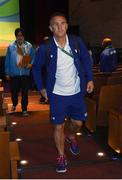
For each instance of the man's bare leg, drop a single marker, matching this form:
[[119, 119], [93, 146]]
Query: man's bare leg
[[74, 127], [59, 138], [59, 141]]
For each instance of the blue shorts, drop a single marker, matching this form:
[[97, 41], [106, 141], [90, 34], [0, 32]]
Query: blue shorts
[[67, 106]]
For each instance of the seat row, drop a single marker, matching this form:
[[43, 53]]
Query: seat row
[[9, 150], [106, 111]]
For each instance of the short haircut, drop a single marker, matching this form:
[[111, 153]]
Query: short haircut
[[19, 30], [57, 14], [106, 42]]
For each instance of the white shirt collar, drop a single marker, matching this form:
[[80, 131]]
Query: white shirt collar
[[67, 42]]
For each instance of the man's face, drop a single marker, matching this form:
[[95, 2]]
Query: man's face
[[20, 38], [59, 26]]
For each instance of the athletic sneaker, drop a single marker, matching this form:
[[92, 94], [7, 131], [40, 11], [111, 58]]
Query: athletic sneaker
[[13, 108], [25, 113], [74, 149], [61, 164]]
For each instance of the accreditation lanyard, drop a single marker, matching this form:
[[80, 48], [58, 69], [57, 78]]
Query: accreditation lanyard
[[68, 53]]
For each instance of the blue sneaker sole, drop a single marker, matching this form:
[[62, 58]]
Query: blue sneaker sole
[[69, 141], [61, 171], [73, 152]]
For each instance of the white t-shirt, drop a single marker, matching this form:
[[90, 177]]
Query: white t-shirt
[[67, 79]]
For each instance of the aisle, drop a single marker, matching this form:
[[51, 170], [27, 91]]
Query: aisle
[[37, 147]]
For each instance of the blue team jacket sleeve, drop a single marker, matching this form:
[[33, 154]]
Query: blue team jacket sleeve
[[37, 65]]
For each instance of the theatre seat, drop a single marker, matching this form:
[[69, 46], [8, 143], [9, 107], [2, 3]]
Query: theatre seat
[[9, 155], [3, 123], [115, 130], [110, 97]]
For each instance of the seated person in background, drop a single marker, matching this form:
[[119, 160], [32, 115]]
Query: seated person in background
[[108, 56], [90, 53]]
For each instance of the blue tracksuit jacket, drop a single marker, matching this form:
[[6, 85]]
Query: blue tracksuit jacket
[[11, 67], [108, 60], [81, 60]]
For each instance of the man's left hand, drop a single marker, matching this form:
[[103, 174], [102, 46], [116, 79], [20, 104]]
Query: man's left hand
[[29, 66], [90, 87]]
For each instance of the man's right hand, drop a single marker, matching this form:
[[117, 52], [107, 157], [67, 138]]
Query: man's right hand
[[44, 94]]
